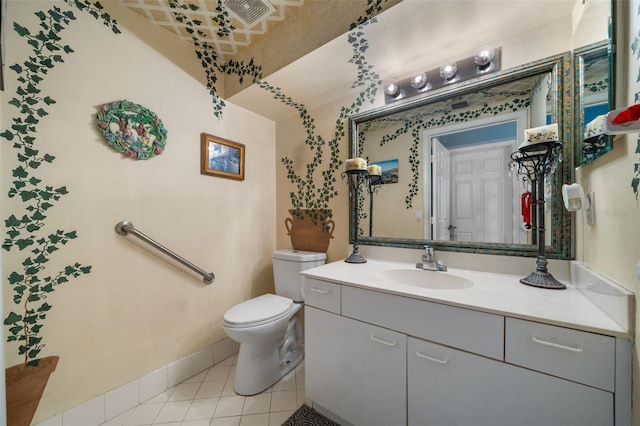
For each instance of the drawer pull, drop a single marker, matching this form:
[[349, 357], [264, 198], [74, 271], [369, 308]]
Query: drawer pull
[[576, 348], [384, 342], [318, 290], [427, 357]]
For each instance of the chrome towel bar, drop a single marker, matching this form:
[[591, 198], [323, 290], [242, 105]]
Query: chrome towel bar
[[125, 227]]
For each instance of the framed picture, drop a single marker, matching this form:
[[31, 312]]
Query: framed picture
[[389, 171], [220, 157]]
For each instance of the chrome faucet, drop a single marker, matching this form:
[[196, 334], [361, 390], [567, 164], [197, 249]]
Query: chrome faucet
[[429, 261]]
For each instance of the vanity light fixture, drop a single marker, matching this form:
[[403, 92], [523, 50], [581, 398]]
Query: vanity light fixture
[[419, 81], [486, 60], [448, 71], [391, 88], [484, 57]]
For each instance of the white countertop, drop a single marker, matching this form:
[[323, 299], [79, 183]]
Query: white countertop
[[491, 292]]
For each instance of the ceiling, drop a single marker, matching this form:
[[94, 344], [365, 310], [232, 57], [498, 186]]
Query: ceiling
[[302, 48], [212, 30]]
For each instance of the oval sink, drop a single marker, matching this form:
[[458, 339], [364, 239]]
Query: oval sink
[[426, 279]]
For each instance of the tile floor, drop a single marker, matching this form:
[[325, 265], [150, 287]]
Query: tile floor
[[208, 399]]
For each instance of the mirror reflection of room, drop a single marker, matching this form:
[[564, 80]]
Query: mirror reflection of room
[[453, 180]]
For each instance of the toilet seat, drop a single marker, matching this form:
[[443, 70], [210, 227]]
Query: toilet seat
[[257, 311]]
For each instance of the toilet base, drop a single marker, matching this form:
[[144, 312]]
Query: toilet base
[[257, 372], [261, 365]]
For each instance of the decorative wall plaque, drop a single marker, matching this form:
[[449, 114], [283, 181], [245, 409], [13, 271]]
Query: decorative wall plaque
[[131, 129]]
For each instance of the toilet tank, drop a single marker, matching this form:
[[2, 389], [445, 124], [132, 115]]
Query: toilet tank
[[287, 265]]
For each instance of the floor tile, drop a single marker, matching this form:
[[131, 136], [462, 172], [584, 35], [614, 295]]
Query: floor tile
[[117, 420], [208, 399], [197, 378], [201, 422], [300, 380], [163, 397], [144, 414], [202, 409], [229, 406], [276, 418], [255, 420], [218, 372], [228, 386], [301, 398], [257, 404], [185, 392], [284, 400], [226, 421], [173, 411], [210, 389], [288, 382]]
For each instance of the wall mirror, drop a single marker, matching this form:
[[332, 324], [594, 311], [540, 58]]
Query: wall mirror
[[594, 91], [594, 42], [475, 206]]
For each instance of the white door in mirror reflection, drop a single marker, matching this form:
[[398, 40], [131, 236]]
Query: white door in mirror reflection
[[441, 169], [482, 194]]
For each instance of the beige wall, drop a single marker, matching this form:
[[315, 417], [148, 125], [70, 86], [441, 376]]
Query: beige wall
[[612, 245], [137, 311]]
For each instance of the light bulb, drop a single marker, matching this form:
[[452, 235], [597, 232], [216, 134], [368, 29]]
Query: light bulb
[[484, 56], [391, 87], [418, 81], [448, 70]]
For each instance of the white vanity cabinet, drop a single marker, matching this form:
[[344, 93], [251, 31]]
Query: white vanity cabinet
[[375, 358], [452, 387], [356, 370]]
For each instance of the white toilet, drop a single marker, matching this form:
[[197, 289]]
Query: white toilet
[[267, 327]]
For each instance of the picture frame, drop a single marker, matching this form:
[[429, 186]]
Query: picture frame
[[220, 157], [389, 171]]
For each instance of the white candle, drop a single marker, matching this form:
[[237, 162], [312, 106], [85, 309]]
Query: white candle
[[375, 170], [356, 164]]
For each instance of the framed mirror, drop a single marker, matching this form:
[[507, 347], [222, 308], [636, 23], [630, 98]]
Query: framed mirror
[[479, 123], [594, 89]]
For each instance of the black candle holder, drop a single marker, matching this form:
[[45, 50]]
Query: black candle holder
[[355, 179], [533, 163]]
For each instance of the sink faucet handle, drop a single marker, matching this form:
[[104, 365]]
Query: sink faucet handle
[[428, 250]]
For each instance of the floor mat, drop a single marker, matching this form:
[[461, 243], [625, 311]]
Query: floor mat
[[307, 416]]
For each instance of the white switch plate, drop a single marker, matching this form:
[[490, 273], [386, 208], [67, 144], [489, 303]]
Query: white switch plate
[[591, 211]]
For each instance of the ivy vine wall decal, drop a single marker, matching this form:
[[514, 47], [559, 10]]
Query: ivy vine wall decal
[[26, 230], [33, 280], [310, 193], [635, 48], [208, 55]]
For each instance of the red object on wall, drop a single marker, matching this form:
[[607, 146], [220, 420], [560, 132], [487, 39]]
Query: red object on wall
[[526, 209]]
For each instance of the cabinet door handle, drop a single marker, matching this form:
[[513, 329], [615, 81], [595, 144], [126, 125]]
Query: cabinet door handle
[[384, 342], [427, 357], [576, 348], [317, 290]]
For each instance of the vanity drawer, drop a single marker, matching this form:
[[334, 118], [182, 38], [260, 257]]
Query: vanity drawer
[[321, 294], [461, 328], [580, 356]]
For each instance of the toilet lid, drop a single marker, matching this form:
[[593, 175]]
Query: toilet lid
[[267, 307]]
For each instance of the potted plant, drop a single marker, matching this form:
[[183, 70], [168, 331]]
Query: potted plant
[[32, 280], [310, 225]]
